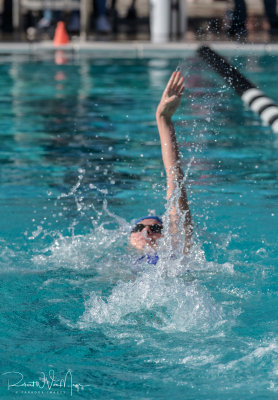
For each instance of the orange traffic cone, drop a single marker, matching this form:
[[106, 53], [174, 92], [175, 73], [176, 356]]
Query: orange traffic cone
[[61, 37]]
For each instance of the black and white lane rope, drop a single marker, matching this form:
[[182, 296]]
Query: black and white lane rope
[[251, 96]]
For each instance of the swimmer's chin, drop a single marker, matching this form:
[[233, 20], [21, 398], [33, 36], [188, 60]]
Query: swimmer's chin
[[144, 244]]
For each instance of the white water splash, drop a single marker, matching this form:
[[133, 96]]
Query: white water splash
[[81, 252], [162, 296], [166, 296]]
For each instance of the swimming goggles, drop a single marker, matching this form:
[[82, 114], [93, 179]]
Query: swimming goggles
[[155, 228]]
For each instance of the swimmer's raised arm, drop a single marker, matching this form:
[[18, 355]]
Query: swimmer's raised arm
[[169, 103]]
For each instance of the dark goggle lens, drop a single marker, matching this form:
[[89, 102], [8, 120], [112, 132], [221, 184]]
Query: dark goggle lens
[[154, 228], [138, 228]]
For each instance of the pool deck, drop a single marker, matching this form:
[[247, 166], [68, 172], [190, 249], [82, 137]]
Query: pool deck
[[137, 49]]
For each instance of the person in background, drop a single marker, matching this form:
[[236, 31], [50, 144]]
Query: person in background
[[7, 16], [50, 18], [148, 230], [238, 28], [102, 23], [271, 14]]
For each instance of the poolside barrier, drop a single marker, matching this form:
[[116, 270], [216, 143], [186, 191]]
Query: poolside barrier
[[249, 93], [61, 36]]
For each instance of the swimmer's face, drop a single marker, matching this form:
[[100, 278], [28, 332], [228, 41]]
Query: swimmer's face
[[146, 235]]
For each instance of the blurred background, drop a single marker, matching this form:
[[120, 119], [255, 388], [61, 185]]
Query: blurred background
[[155, 20]]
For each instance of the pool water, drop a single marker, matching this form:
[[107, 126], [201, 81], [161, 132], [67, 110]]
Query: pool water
[[80, 159]]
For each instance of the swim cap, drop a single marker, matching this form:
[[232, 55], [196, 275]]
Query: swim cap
[[149, 217]]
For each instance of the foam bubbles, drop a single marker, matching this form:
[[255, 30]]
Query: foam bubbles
[[171, 302], [81, 251]]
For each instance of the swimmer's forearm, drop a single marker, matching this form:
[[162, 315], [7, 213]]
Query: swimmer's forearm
[[171, 160], [174, 172], [169, 147]]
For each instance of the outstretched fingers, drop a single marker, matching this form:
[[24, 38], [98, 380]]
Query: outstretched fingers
[[180, 85], [171, 81], [181, 90], [175, 85], [176, 80]]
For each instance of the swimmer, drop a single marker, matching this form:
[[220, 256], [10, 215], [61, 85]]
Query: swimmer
[[148, 230]]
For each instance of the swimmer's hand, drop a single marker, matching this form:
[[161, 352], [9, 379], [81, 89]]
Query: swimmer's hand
[[171, 96]]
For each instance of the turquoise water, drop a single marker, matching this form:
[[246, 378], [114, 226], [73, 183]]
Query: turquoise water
[[80, 158]]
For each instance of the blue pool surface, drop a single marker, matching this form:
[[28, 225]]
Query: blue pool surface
[[79, 160]]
